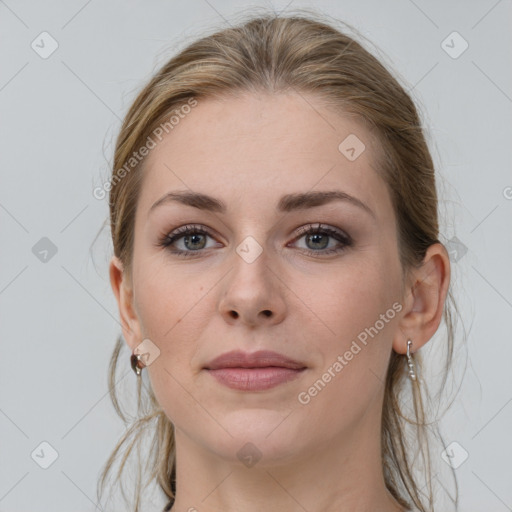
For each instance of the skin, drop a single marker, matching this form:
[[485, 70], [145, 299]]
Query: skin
[[248, 151]]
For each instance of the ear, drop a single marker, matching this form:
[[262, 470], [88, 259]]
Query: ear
[[424, 299], [123, 291]]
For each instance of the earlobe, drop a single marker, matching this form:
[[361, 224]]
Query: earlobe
[[425, 299], [124, 296]]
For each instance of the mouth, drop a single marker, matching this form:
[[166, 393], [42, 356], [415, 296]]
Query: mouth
[[254, 379], [256, 371]]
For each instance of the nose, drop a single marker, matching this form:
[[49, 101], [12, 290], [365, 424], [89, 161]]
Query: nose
[[253, 294]]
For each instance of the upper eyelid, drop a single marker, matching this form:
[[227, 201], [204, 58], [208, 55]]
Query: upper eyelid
[[305, 228], [319, 226]]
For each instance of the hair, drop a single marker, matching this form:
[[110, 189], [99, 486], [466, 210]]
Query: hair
[[277, 54]]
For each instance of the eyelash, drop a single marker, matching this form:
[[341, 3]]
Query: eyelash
[[190, 229]]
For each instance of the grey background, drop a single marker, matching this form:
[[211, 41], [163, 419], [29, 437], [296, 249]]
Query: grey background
[[59, 119]]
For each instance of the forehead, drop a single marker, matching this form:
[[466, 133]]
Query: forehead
[[259, 147]]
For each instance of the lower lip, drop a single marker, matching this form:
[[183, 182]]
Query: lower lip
[[255, 379]]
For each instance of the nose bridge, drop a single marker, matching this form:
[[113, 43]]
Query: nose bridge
[[253, 292], [250, 268]]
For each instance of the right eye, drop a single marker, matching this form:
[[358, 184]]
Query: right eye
[[192, 237]]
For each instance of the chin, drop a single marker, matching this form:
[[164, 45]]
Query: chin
[[257, 434]]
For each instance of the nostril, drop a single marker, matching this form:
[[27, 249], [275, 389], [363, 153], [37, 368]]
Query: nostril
[[266, 312]]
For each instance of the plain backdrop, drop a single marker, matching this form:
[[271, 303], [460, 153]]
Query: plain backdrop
[[69, 71]]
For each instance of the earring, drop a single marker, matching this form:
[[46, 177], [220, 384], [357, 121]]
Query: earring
[[410, 362], [137, 364]]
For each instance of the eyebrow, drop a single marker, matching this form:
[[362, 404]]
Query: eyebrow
[[287, 203]]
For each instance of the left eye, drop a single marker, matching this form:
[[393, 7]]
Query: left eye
[[317, 239]]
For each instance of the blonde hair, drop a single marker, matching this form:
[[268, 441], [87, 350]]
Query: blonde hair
[[274, 54]]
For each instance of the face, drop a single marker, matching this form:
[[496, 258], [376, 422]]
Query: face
[[250, 277]]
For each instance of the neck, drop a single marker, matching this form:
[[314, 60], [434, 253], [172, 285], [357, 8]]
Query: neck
[[340, 474]]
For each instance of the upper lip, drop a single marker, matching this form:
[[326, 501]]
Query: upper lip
[[260, 359]]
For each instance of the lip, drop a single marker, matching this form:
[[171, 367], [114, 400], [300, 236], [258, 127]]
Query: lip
[[260, 359], [254, 371]]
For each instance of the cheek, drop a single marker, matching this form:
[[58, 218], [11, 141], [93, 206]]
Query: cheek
[[167, 299], [355, 310], [172, 316], [351, 299], [174, 311], [354, 358]]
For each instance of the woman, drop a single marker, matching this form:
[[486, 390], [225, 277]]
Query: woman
[[277, 269]]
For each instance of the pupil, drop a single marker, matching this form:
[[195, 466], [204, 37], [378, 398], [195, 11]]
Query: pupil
[[315, 237], [193, 238]]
